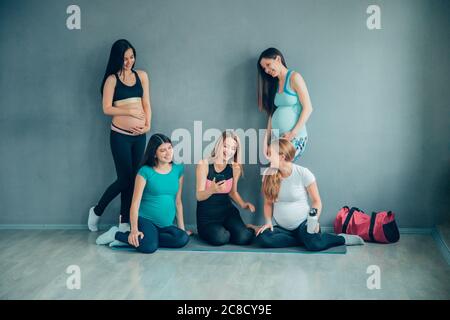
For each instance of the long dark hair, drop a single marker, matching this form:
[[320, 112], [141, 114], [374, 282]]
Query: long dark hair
[[153, 144], [267, 85], [116, 57]]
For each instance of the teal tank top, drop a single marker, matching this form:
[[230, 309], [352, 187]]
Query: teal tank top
[[158, 203], [288, 109]]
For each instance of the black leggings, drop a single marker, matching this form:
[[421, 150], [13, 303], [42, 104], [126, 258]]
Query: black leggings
[[127, 152], [232, 229], [156, 237], [280, 238]]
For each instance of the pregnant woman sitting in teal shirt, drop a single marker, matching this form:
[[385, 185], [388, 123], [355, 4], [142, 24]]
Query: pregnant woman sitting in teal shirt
[[156, 200], [282, 93]]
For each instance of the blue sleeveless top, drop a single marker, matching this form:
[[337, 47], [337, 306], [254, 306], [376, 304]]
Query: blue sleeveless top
[[288, 109]]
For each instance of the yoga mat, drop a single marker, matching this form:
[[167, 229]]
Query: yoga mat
[[196, 244]]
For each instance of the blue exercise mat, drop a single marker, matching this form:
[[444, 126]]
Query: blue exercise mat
[[196, 244]]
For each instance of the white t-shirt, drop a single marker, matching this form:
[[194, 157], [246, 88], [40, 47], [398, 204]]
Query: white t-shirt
[[292, 207]]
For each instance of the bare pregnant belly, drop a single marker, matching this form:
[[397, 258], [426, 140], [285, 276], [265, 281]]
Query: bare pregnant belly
[[128, 122]]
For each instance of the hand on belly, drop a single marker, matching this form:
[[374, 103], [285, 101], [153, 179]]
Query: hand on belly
[[129, 122]]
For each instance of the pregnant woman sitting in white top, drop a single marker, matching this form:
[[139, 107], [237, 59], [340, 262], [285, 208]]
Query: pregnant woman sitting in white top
[[286, 188]]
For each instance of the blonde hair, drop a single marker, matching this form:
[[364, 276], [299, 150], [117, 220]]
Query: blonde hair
[[272, 182], [219, 147]]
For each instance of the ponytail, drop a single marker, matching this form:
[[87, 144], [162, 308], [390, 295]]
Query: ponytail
[[271, 185], [272, 180]]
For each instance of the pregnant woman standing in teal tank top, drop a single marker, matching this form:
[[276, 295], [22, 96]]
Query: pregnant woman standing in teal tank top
[[282, 93]]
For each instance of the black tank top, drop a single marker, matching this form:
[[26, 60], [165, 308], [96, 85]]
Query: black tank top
[[214, 208], [122, 91]]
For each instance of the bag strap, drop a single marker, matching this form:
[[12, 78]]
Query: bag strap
[[372, 225], [347, 219]]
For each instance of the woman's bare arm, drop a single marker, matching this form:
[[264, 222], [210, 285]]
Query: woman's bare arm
[[299, 86], [139, 186], [234, 194], [313, 192], [146, 98], [108, 93]]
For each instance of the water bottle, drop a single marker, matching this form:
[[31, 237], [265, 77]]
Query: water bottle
[[312, 221]]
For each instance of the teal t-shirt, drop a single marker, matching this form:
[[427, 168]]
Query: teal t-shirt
[[158, 202]]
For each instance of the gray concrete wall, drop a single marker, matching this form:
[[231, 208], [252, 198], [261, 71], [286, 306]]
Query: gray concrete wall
[[378, 136]]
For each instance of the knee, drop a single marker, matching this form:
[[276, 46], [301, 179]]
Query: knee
[[244, 237], [124, 183], [263, 240], [220, 238], [182, 240], [147, 247]]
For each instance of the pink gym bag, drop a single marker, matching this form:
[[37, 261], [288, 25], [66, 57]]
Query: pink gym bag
[[379, 227]]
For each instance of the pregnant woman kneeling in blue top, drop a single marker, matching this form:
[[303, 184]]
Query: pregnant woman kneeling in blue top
[[282, 93], [156, 199]]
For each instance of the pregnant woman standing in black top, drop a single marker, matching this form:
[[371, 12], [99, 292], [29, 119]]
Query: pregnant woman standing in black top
[[126, 99]]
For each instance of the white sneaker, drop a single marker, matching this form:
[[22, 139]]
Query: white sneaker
[[352, 239], [117, 243], [93, 220], [107, 237], [124, 227]]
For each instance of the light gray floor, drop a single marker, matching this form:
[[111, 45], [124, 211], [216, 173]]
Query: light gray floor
[[444, 231], [33, 266]]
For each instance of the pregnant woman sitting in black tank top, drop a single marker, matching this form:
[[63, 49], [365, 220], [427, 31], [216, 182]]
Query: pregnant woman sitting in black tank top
[[218, 220]]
